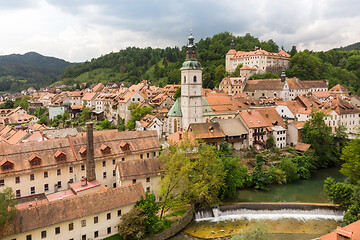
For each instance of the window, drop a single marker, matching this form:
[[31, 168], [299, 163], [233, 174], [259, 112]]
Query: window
[[108, 230], [83, 237], [18, 193], [82, 167], [43, 234], [32, 190], [58, 172], [108, 216], [122, 159], [119, 212], [71, 169], [184, 79], [2, 182], [148, 179], [148, 155], [114, 173], [113, 161], [141, 156], [46, 174], [148, 189], [46, 187], [104, 163], [134, 180], [96, 234], [59, 184], [17, 179], [57, 230], [83, 223], [96, 219], [104, 174], [194, 78], [28, 237], [32, 177], [71, 226], [114, 185]]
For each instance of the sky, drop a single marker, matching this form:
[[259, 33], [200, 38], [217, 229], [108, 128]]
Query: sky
[[79, 30]]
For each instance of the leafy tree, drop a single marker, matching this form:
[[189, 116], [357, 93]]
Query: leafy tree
[[121, 126], [260, 177], [85, 114], [305, 66], [290, 169], [132, 225], [235, 174], [177, 93], [219, 74], [7, 105], [270, 142], [351, 157], [7, 206], [136, 114], [236, 72], [293, 51], [318, 134], [267, 75], [340, 193], [150, 209], [44, 119]]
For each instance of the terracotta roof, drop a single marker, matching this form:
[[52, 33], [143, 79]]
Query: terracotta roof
[[339, 89], [298, 124], [321, 94], [295, 83], [140, 168], [316, 84], [253, 119], [261, 52], [180, 136], [140, 141], [77, 186], [302, 147], [147, 121], [340, 106], [76, 107], [76, 207], [206, 130], [245, 67], [352, 231], [271, 116], [222, 103], [89, 96], [17, 137], [231, 52], [263, 84]]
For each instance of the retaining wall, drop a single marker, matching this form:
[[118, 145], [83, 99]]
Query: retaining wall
[[176, 228]]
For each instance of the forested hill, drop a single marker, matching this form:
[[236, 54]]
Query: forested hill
[[19, 72], [355, 46], [161, 66]]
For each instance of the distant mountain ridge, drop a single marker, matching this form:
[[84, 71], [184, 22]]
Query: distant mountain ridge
[[19, 71], [354, 46]]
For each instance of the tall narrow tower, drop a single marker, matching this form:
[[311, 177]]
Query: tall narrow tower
[[191, 87]]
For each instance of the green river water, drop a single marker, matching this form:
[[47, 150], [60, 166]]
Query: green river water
[[305, 191]]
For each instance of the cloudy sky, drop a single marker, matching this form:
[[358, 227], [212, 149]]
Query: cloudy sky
[[78, 30]]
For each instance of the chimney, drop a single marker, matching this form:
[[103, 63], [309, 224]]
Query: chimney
[[83, 181], [90, 162]]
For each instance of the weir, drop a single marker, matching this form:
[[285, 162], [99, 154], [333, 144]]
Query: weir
[[271, 211]]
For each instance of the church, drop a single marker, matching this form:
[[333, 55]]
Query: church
[[188, 108]]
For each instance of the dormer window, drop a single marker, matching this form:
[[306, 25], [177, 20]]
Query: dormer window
[[60, 156], [211, 129], [34, 160], [7, 164], [124, 146], [105, 149], [82, 152]]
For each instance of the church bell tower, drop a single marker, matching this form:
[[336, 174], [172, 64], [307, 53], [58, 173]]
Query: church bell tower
[[191, 87]]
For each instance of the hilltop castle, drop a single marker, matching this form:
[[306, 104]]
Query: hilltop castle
[[261, 60]]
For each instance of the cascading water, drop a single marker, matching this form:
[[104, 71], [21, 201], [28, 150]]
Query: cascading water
[[250, 214]]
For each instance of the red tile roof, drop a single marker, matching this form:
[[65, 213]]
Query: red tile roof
[[352, 231]]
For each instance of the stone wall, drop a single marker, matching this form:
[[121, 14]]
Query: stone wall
[[176, 228]]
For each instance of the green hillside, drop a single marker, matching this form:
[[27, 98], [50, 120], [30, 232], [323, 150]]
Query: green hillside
[[19, 72]]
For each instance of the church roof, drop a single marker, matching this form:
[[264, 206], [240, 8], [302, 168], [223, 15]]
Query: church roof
[[175, 110]]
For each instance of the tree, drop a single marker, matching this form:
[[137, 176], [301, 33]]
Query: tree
[[85, 114], [193, 174], [7, 206], [150, 209], [136, 114], [290, 169], [351, 157], [318, 134], [270, 142], [305, 66], [338, 192], [260, 177], [132, 225], [177, 93], [235, 174], [293, 51]]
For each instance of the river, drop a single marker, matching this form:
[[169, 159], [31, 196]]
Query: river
[[306, 191]]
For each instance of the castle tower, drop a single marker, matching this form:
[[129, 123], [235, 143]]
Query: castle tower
[[191, 87]]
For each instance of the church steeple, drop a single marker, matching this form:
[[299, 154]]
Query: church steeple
[[191, 61], [232, 44], [283, 75]]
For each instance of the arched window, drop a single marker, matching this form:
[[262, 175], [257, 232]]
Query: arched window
[[175, 125], [184, 79], [194, 78]]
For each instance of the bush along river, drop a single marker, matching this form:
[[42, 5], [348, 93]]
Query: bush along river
[[283, 219]]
